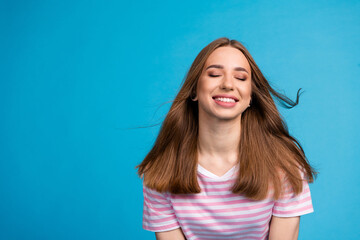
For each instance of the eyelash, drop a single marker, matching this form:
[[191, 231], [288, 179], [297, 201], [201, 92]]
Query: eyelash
[[242, 79]]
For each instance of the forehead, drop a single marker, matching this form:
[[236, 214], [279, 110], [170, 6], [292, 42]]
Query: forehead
[[229, 57]]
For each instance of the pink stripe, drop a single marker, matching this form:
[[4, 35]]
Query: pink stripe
[[219, 211], [151, 228], [290, 189], [219, 218], [237, 238], [238, 209], [169, 208], [205, 231], [198, 196], [291, 194], [289, 204], [205, 225], [221, 203], [154, 196], [161, 220], [233, 235], [237, 235], [162, 209], [294, 211]]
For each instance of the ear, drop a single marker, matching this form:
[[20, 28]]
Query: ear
[[193, 97]]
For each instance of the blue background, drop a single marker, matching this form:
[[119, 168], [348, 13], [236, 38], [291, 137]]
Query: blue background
[[78, 77]]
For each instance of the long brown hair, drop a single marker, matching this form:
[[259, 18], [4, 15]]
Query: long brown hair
[[266, 150]]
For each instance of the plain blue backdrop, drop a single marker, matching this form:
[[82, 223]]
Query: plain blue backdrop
[[76, 78]]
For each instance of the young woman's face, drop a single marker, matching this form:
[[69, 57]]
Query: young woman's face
[[224, 87]]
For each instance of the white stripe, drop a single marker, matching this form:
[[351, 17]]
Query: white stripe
[[156, 225], [232, 237], [300, 197], [167, 212], [294, 207], [220, 200], [188, 223], [227, 220], [294, 214], [228, 214], [223, 207]]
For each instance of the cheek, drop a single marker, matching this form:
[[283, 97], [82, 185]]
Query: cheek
[[248, 92], [245, 90], [204, 87]]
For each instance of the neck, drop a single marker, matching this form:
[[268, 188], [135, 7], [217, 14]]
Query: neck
[[218, 141]]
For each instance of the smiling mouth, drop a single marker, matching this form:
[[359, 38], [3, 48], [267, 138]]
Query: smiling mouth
[[224, 99]]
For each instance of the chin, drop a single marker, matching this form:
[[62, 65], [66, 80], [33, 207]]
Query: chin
[[228, 117]]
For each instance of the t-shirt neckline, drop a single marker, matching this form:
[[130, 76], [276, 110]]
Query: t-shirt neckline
[[209, 174]]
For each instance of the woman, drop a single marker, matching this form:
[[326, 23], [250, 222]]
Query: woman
[[224, 165]]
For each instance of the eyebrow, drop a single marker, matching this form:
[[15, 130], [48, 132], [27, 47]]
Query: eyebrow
[[222, 67]]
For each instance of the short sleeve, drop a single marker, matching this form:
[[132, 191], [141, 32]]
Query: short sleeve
[[158, 213], [291, 205]]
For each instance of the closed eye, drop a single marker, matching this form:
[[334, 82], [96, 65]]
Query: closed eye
[[212, 75]]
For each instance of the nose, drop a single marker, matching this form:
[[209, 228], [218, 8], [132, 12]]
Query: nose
[[227, 82]]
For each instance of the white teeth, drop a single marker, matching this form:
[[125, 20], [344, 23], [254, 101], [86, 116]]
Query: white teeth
[[225, 99]]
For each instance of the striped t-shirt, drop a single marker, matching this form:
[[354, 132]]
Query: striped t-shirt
[[216, 212]]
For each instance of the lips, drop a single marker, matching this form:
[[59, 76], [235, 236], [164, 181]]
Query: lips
[[225, 96]]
